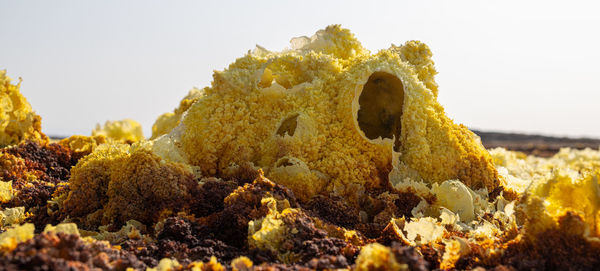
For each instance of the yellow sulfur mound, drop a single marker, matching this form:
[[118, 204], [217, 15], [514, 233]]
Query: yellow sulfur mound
[[18, 122], [82, 145], [167, 121], [337, 114], [126, 131], [377, 257], [118, 182]]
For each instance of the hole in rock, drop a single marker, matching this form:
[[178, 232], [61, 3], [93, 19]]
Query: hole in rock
[[380, 110], [288, 126], [284, 162]]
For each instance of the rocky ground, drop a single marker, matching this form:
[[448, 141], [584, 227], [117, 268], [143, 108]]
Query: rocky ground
[[539, 145]]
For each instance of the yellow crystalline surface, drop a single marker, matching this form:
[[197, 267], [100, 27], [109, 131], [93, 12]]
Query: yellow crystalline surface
[[118, 182], [455, 196], [566, 182], [424, 230], [167, 121], [377, 257], [346, 118], [212, 265], [10, 238], [127, 130], [455, 248], [17, 119], [166, 264], [6, 191], [82, 145], [269, 232], [564, 193], [68, 228], [12, 216]]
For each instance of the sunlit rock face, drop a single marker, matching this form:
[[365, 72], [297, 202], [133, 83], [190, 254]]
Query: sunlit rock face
[[167, 121], [18, 122], [328, 116]]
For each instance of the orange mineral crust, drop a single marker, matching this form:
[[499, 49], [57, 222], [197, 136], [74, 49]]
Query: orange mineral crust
[[323, 156]]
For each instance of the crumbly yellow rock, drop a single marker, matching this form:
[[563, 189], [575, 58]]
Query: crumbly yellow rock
[[119, 182], [12, 216], [18, 122], [377, 257], [167, 121], [82, 145], [346, 117], [125, 131], [563, 193], [550, 188], [6, 190], [12, 237], [68, 228]]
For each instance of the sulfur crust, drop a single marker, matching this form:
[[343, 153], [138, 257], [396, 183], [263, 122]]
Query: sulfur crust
[[18, 122], [131, 230], [12, 216], [68, 228], [125, 131], [119, 182], [167, 121], [90, 178], [12, 237], [418, 54], [6, 191], [455, 248], [567, 182], [212, 265], [377, 257], [166, 264], [83, 145], [548, 200], [319, 80], [268, 233]]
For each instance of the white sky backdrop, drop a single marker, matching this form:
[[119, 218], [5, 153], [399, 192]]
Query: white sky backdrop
[[526, 66]]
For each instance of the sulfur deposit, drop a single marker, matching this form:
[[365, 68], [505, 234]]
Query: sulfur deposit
[[167, 121], [126, 131], [18, 122], [323, 156], [329, 111]]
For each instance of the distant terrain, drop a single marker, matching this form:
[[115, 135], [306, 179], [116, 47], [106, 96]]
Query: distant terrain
[[538, 145]]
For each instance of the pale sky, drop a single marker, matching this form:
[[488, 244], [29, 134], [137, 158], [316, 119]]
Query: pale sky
[[524, 66]]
